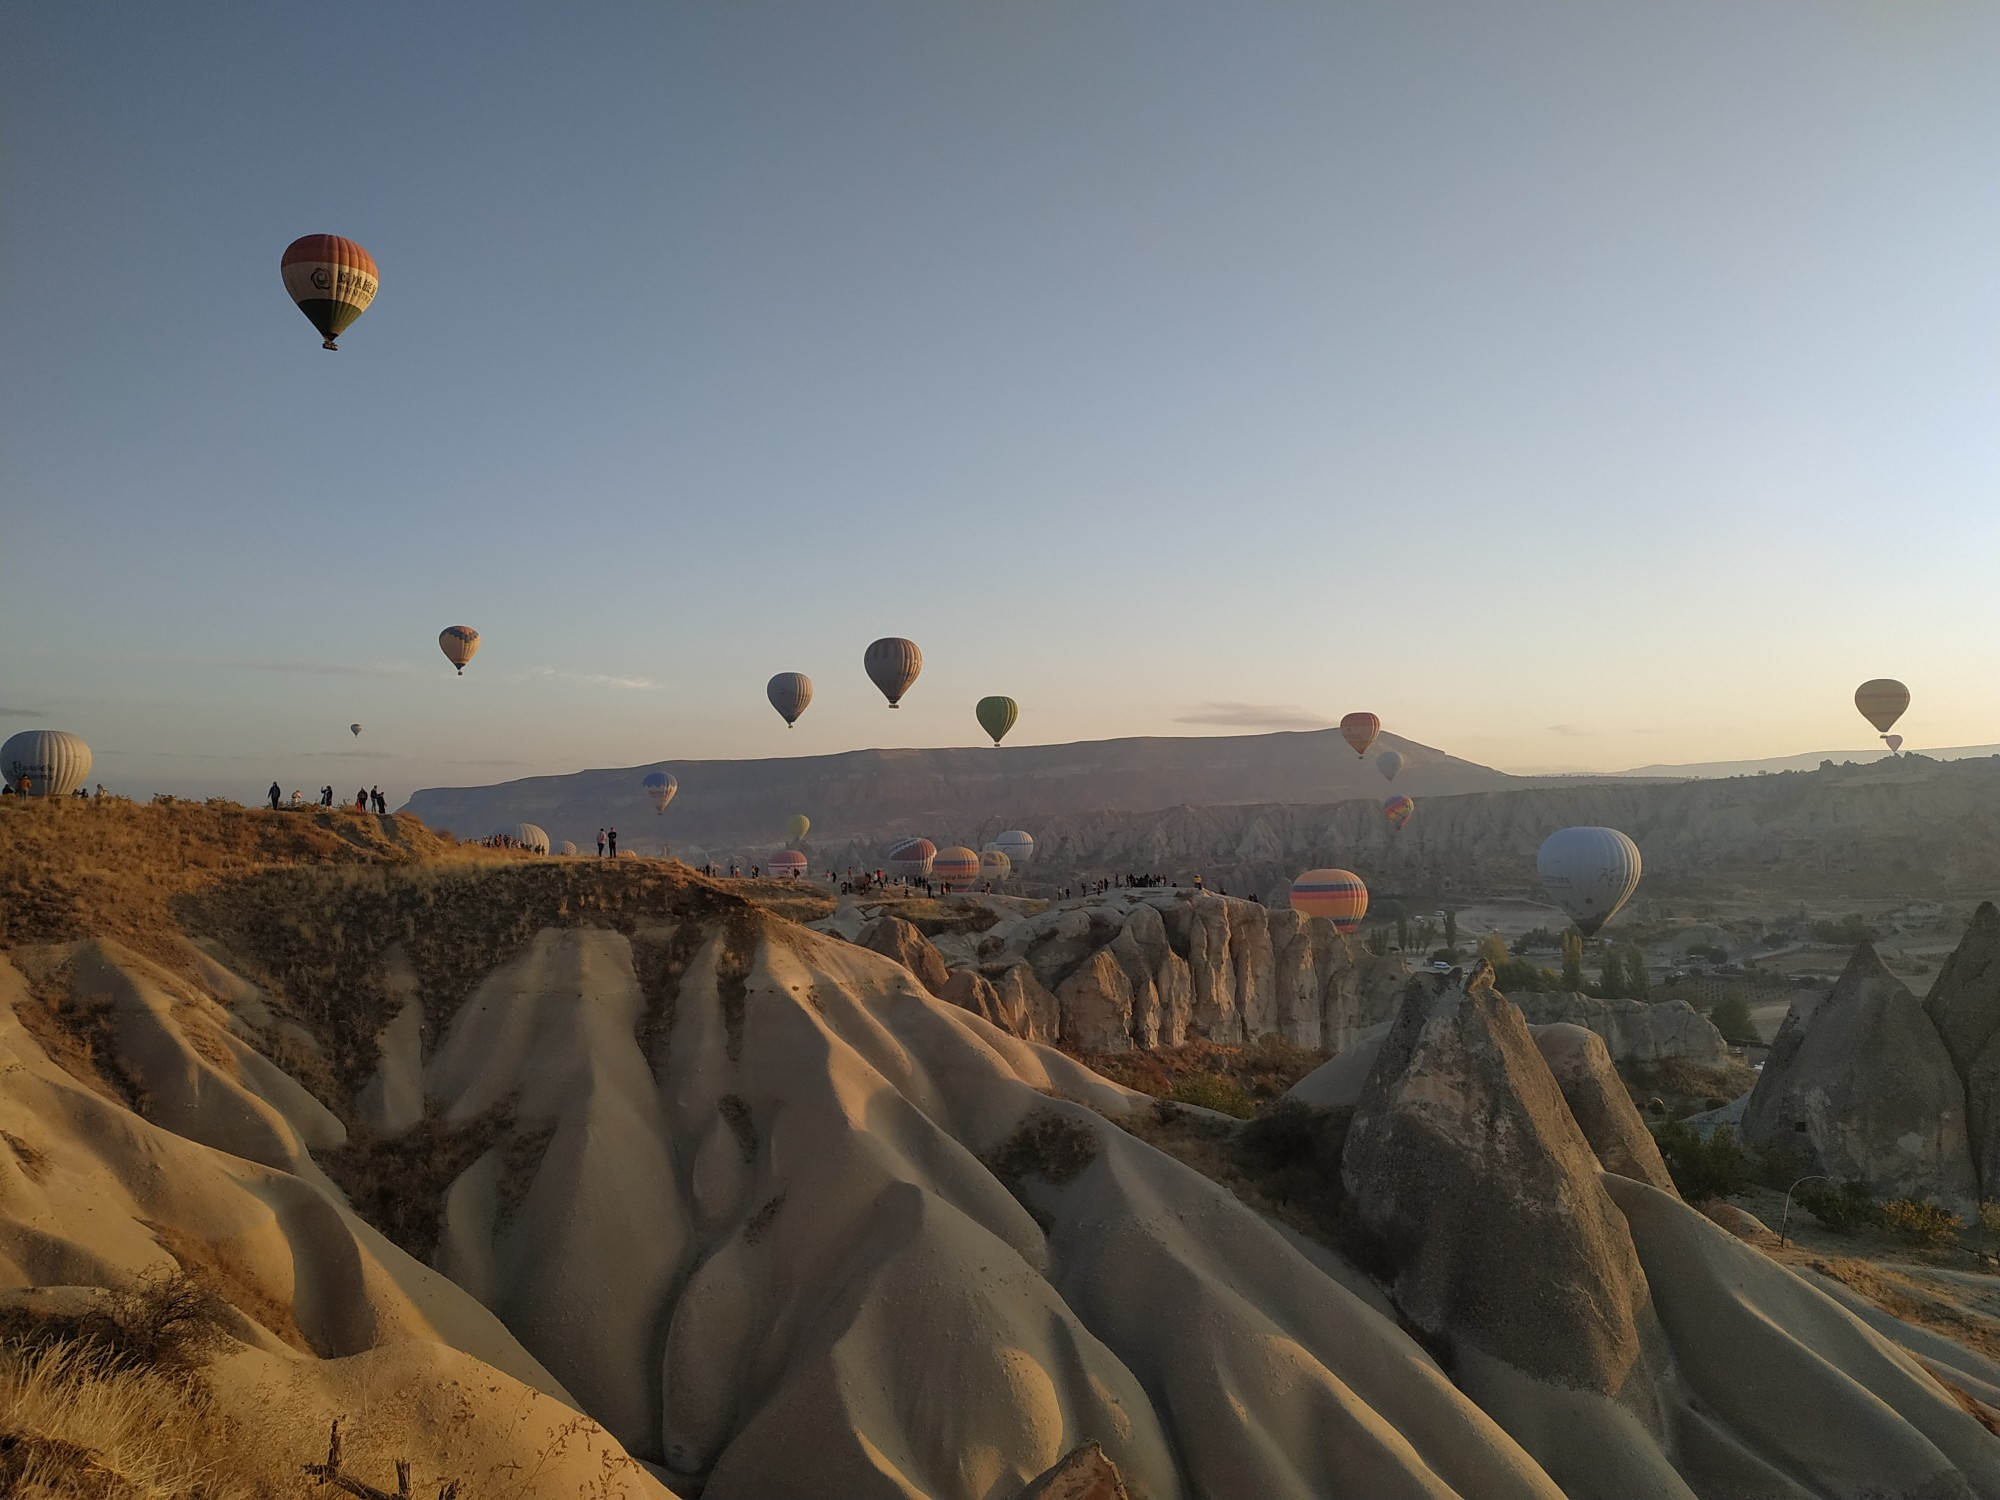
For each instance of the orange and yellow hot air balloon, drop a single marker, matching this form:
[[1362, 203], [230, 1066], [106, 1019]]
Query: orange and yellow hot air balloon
[[332, 279], [1337, 895], [1359, 730], [459, 643]]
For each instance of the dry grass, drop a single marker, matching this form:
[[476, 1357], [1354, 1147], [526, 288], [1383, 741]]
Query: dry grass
[[1232, 1080], [70, 1426], [34, 1161], [1903, 1297], [398, 1185]]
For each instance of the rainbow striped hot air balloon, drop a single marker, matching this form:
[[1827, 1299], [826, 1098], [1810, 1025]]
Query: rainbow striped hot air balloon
[[1397, 810], [911, 857], [1337, 895], [787, 864], [957, 867], [332, 279]]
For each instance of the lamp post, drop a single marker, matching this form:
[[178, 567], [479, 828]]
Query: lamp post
[[1785, 1223]]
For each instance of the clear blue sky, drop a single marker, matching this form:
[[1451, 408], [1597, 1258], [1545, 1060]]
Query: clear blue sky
[[1574, 384]]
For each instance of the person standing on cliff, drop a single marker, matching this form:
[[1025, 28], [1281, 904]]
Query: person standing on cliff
[[614, 843], [275, 795], [600, 843]]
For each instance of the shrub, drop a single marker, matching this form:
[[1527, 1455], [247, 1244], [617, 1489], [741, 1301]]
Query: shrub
[[1731, 1017], [1213, 1091], [1714, 953], [1291, 1134], [1989, 1218], [1703, 1169], [1493, 948], [1537, 939], [1842, 1209], [1611, 975], [1925, 1223], [1845, 933], [1517, 974]]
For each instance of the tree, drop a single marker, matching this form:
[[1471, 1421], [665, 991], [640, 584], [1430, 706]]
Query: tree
[[1403, 931], [1572, 965], [1493, 948], [1425, 931], [1450, 928], [1638, 984], [1731, 1017], [1611, 975]]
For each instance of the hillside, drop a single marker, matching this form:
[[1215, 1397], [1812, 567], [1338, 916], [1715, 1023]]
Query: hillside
[[1894, 829], [743, 804], [593, 1177]]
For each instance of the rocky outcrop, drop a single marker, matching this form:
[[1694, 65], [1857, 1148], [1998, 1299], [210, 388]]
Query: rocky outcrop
[[1603, 1111], [894, 938], [1866, 1089], [1633, 1031], [1086, 1474], [1964, 1006]]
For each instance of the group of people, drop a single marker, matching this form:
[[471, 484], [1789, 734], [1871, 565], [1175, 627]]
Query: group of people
[[364, 799], [602, 835], [27, 789]]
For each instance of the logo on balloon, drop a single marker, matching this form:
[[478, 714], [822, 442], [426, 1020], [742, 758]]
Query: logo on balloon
[[323, 279]]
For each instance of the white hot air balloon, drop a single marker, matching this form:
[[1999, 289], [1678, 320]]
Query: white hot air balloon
[[1019, 847], [45, 762], [1590, 873], [528, 835], [1389, 762]]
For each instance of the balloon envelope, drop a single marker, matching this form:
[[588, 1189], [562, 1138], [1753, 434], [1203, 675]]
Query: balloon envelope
[[54, 762], [567, 847], [787, 864], [994, 864], [957, 866], [997, 715], [1397, 810], [893, 664], [797, 826], [527, 835], [1337, 895], [354, 729], [1389, 762], [459, 643], [911, 857], [1882, 701], [660, 787], [332, 279], [1893, 741], [1590, 873], [1359, 730], [1016, 845], [789, 693]]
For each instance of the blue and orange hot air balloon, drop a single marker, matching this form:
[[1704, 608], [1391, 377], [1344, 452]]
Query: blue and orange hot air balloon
[[332, 279], [957, 867], [1397, 810], [1337, 895]]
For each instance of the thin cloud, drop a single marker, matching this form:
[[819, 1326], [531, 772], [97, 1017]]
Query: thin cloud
[[1568, 731], [599, 679], [330, 668], [1255, 716], [21, 713]]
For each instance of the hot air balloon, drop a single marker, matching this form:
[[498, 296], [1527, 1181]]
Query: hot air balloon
[[528, 835], [911, 857], [1019, 847], [459, 643], [957, 867], [996, 716], [893, 664], [797, 826], [994, 865], [1397, 810], [333, 280], [790, 694], [52, 762], [566, 847], [1389, 762], [1359, 730], [1337, 895], [1882, 701], [1589, 873], [1893, 741], [660, 786], [355, 730], [787, 864]]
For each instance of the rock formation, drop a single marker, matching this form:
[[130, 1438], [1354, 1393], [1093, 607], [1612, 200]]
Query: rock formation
[[1603, 1111], [1865, 1089], [1634, 1031], [1964, 1005]]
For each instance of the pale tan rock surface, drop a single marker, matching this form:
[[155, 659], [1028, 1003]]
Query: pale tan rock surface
[[1633, 1031], [1603, 1111]]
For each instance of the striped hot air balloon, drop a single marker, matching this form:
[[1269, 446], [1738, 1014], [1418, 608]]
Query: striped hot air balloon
[[1337, 895], [786, 864], [459, 643], [1397, 810], [660, 788], [996, 716], [44, 762], [1016, 845], [911, 857], [1882, 701], [332, 279], [790, 693], [893, 664], [1359, 730], [957, 867], [994, 865]]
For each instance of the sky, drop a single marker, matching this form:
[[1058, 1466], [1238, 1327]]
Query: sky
[[1575, 385]]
